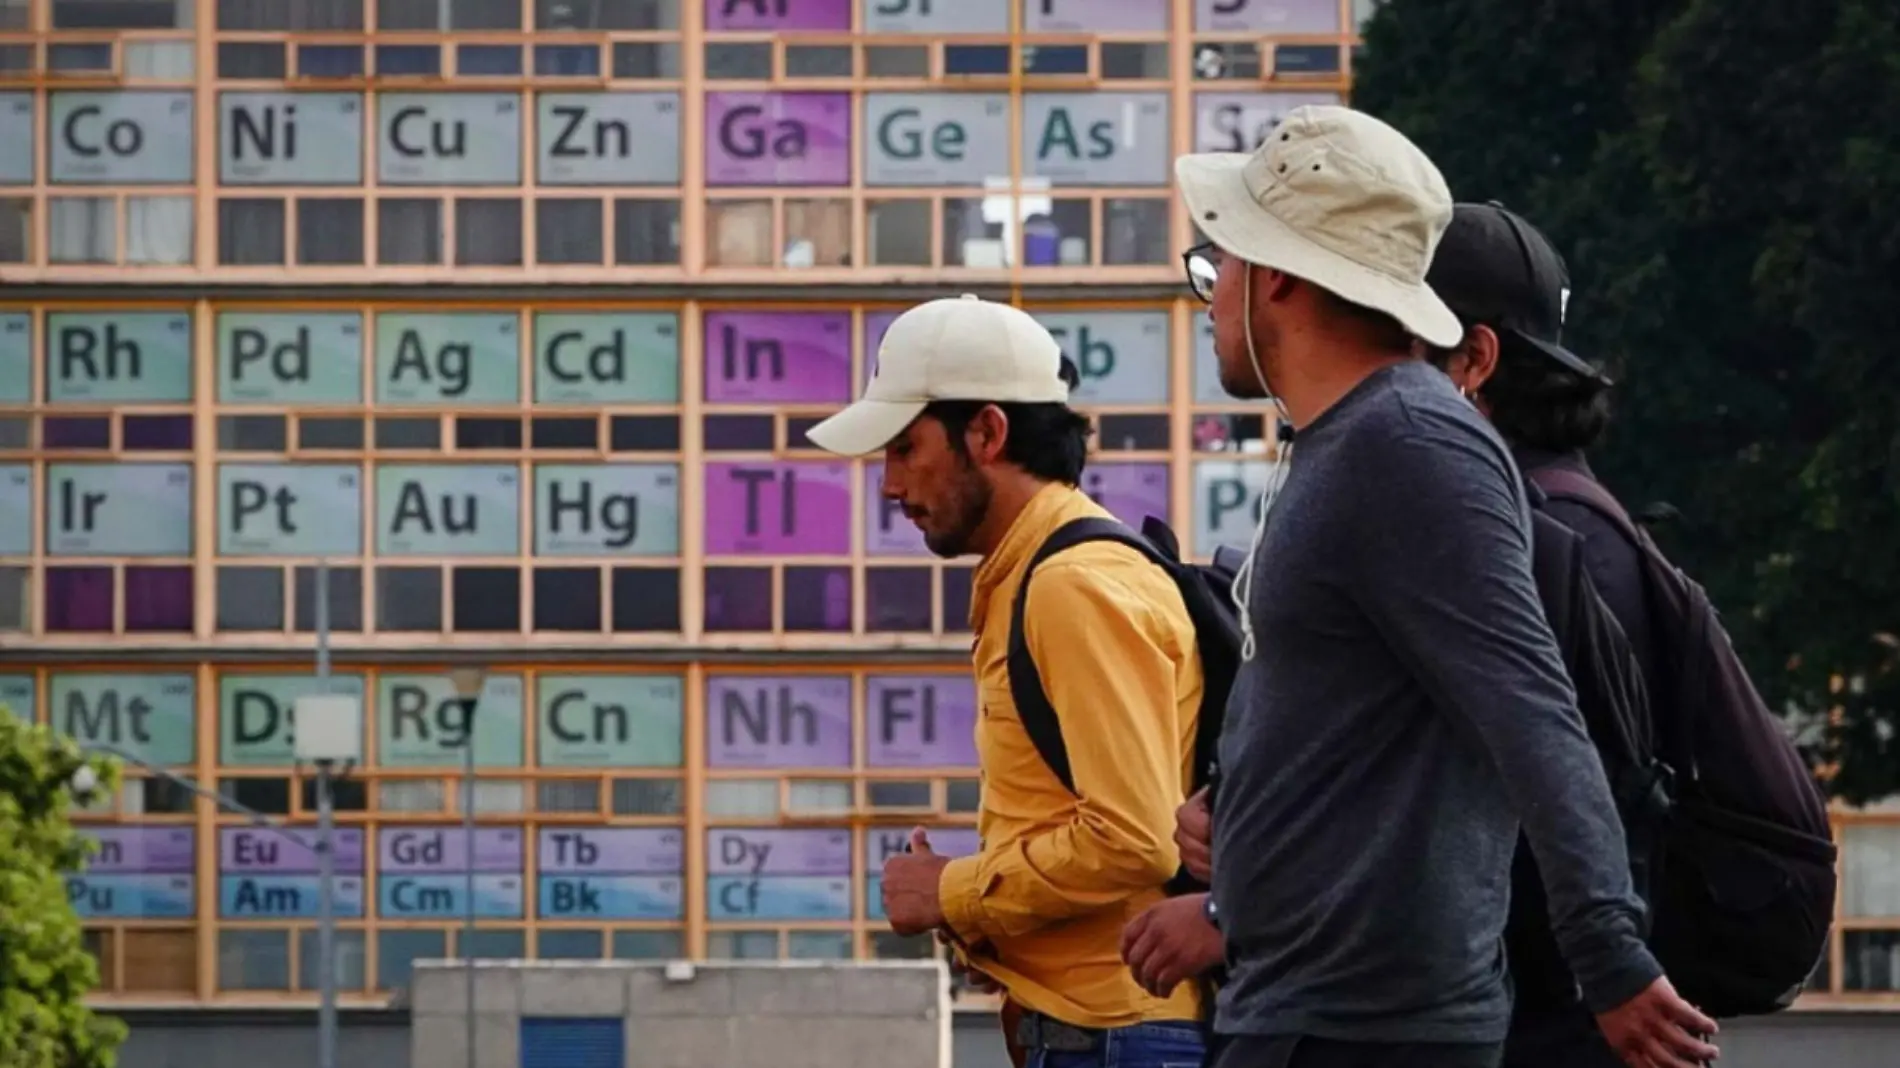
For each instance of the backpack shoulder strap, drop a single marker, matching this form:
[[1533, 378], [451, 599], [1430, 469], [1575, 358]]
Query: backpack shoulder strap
[[1025, 681], [1560, 484]]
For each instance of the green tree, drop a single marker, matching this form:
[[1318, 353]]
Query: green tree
[[45, 971], [1721, 177]]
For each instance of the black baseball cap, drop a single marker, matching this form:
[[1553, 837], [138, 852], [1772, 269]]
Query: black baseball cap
[[1492, 267]]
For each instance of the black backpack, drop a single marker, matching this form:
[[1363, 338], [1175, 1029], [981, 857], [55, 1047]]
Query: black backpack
[[1744, 897], [1615, 706], [1207, 590]]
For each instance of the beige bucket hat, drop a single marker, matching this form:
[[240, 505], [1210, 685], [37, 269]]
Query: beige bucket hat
[[1338, 198]]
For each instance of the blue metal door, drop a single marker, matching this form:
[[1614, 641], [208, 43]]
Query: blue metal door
[[556, 1042]]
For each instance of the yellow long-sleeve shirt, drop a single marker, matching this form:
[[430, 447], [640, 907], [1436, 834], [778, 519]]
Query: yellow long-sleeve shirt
[[1060, 874]]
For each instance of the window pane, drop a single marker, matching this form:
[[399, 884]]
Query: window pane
[[817, 233], [252, 59], [250, 232], [1134, 232], [648, 797], [742, 798], [397, 950], [646, 59], [123, 14], [1871, 875], [568, 231], [81, 230], [739, 233], [158, 230], [166, 61], [250, 598], [569, 945], [646, 231], [898, 233], [409, 598], [290, 14], [254, 960], [647, 945], [505, 798], [16, 230], [347, 951], [573, 795], [488, 233], [408, 231], [411, 795], [330, 231], [818, 945], [161, 961], [607, 14], [742, 945]]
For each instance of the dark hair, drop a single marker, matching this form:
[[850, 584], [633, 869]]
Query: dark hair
[[1049, 441], [1538, 403]]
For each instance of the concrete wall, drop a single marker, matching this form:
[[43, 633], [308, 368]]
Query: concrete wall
[[789, 1014], [201, 1038]]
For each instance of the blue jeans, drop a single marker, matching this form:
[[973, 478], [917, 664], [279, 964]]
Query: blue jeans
[[1144, 1045]]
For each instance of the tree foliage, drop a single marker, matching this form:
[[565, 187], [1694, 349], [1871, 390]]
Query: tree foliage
[[45, 971], [1722, 177]]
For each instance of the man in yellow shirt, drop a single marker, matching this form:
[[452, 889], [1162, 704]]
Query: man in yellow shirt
[[969, 404]]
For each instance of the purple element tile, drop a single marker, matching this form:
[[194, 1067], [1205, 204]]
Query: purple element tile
[[875, 324], [76, 432], [445, 849], [143, 850], [887, 531], [883, 843], [157, 433], [801, 851], [249, 850], [791, 507], [897, 599], [739, 598], [778, 139], [158, 598], [79, 600], [778, 357], [1131, 491], [611, 850], [818, 598], [745, 15], [920, 721], [778, 721]]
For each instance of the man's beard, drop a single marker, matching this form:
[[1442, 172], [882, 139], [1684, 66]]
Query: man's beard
[[968, 505]]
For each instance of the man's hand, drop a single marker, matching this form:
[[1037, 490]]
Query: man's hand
[[1171, 942], [960, 965], [911, 901], [1657, 1029], [1193, 833]]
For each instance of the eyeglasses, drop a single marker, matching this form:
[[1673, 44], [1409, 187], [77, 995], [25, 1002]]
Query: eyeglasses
[[1202, 264]]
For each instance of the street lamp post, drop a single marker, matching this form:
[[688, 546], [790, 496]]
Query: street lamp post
[[323, 846], [467, 683]]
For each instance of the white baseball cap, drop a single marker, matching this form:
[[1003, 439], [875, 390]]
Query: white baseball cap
[[954, 348], [1338, 198]]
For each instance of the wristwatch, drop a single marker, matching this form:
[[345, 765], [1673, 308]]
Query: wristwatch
[[1211, 912]]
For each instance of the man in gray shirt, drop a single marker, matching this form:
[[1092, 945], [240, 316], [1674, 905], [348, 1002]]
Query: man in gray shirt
[[1402, 705]]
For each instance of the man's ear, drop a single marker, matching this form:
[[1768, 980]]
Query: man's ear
[[986, 435], [1480, 352]]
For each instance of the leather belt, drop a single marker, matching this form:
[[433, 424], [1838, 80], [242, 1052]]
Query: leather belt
[[1036, 1031]]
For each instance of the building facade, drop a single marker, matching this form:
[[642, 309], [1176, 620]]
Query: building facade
[[494, 326]]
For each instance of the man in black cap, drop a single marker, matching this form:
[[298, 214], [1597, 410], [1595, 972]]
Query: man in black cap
[[1510, 289]]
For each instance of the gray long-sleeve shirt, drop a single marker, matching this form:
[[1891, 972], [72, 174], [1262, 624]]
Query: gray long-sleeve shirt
[[1407, 706]]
